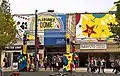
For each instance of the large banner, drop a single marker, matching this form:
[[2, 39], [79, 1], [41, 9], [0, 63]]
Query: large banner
[[56, 35], [94, 25]]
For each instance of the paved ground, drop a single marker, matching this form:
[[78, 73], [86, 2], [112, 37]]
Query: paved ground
[[42, 72], [47, 73], [77, 70]]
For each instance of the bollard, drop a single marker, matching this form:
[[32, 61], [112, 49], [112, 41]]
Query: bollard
[[15, 74], [1, 73]]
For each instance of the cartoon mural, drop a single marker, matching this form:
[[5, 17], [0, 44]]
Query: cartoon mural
[[67, 59], [94, 25], [21, 23]]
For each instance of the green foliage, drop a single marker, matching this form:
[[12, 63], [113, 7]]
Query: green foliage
[[115, 28], [7, 28]]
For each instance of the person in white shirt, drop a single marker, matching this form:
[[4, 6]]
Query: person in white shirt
[[103, 65]]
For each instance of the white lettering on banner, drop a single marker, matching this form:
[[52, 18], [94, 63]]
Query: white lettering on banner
[[60, 41], [93, 46]]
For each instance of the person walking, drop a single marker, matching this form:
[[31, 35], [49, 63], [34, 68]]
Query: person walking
[[88, 65], [116, 63], [113, 66]]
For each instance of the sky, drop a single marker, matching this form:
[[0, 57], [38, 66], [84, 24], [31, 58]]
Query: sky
[[60, 6]]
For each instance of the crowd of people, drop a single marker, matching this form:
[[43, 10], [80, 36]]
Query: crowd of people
[[116, 65], [54, 63], [96, 65], [99, 64]]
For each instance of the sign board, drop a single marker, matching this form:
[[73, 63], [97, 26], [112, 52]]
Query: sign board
[[56, 36], [12, 47], [55, 41], [48, 21], [93, 46]]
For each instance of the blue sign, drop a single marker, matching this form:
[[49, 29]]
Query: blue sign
[[56, 36], [55, 41]]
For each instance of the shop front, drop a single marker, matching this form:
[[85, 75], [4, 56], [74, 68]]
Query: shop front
[[55, 36], [12, 53], [108, 51]]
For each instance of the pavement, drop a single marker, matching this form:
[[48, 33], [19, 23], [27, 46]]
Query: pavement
[[77, 70], [43, 72], [48, 73]]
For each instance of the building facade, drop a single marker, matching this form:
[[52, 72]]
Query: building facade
[[90, 31], [93, 37]]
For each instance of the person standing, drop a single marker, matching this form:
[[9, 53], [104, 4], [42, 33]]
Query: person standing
[[88, 65], [103, 65], [5, 60], [45, 63], [99, 64], [54, 62]]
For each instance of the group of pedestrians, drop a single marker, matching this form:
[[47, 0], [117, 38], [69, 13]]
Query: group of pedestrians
[[116, 66], [55, 63], [96, 65]]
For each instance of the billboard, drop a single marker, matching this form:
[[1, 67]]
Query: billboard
[[45, 21], [94, 25], [56, 36]]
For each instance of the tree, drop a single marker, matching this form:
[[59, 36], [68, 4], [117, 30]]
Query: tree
[[115, 28], [7, 29]]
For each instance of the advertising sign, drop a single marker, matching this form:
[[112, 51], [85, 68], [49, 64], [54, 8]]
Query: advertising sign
[[55, 41], [56, 36], [93, 46], [48, 22]]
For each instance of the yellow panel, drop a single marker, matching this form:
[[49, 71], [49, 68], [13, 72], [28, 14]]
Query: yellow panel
[[67, 35], [67, 48], [31, 37], [24, 49], [100, 25], [69, 57]]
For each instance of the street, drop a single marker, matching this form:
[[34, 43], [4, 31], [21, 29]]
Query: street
[[47, 73]]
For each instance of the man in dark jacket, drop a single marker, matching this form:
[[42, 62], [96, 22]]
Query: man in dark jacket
[[99, 64], [116, 64]]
